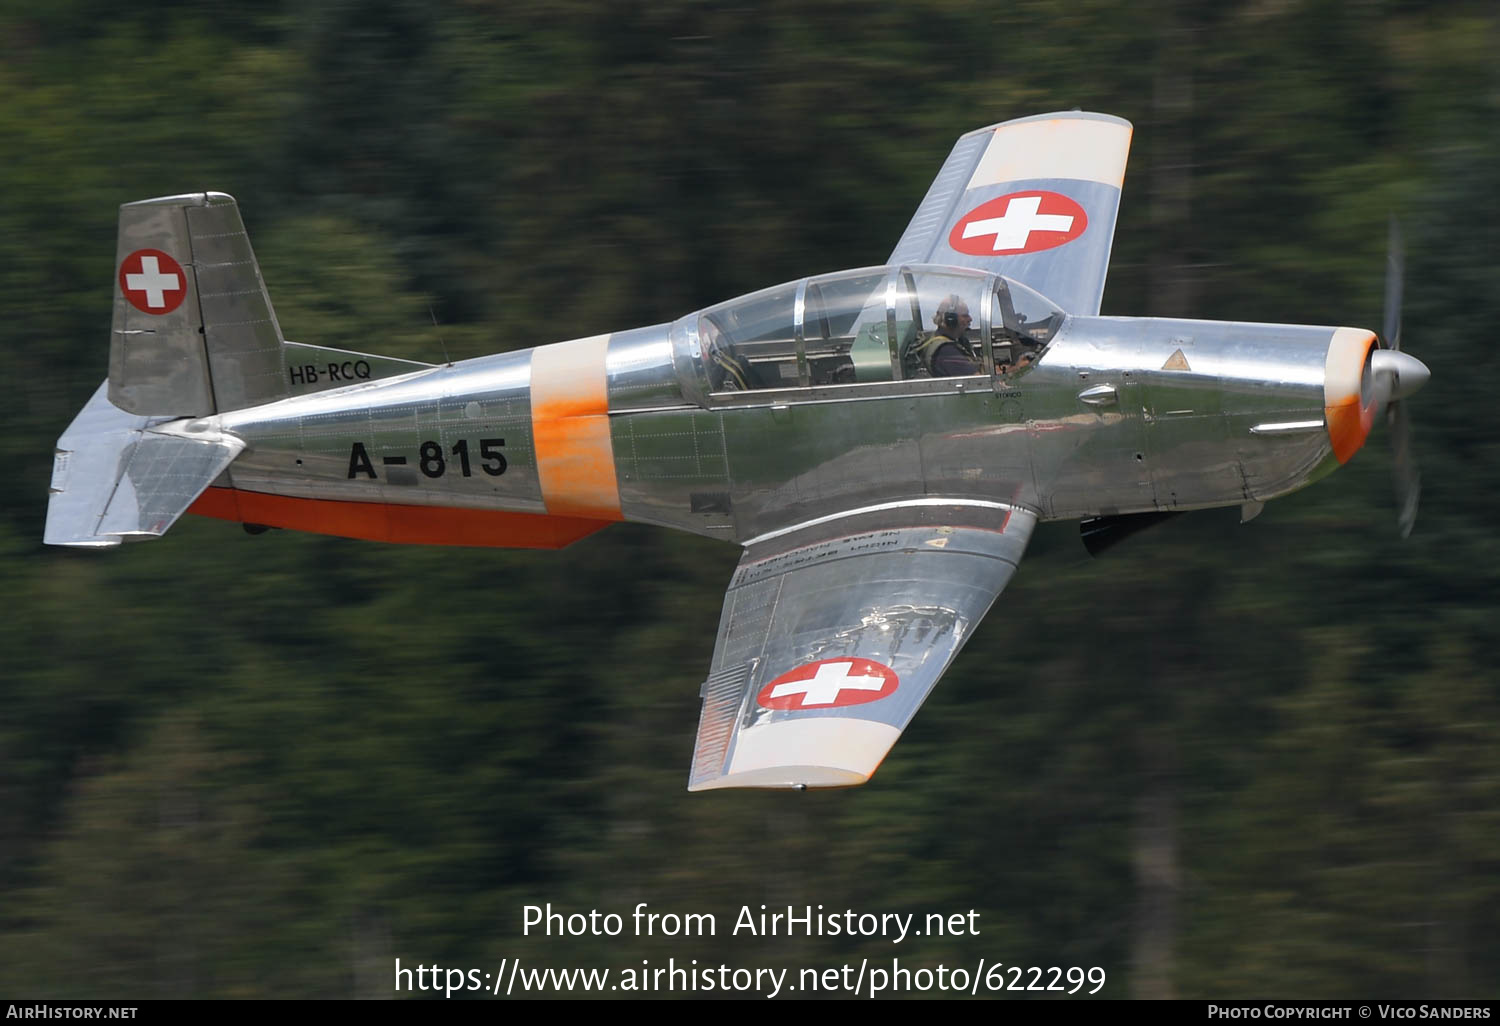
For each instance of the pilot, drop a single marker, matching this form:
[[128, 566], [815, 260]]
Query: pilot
[[946, 353]]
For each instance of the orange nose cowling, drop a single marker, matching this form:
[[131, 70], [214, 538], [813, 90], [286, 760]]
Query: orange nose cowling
[[1349, 409]]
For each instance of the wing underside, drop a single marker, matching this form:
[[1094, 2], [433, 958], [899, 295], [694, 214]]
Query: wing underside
[[1034, 199], [833, 634]]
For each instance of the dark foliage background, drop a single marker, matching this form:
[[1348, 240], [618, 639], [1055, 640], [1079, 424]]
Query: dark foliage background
[[1229, 761]]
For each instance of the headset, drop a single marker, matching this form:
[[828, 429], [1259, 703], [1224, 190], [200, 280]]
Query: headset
[[948, 316]]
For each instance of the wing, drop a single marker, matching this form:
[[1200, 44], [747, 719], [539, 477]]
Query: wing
[[1033, 199], [833, 634]]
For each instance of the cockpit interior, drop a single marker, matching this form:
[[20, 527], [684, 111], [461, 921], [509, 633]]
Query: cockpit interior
[[874, 325]]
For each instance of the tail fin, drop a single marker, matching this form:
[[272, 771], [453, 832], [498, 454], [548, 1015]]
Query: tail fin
[[193, 335], [194, 332]]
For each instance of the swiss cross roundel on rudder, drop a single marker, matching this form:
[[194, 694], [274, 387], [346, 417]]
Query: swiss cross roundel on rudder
[[828, 684], [1020, 222], [152, 281]]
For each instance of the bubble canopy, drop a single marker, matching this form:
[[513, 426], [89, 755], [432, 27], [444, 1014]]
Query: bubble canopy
[[870, 325]]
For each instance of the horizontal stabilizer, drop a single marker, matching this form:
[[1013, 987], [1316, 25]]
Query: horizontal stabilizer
[[118, 476]]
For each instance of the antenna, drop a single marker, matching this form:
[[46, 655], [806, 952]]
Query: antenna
[[446, 358]]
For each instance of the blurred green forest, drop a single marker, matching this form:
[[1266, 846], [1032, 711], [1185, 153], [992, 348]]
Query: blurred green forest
[[1223, 761]]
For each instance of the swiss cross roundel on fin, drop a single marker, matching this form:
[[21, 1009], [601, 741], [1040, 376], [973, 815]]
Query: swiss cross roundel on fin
[[828, 684], [152, 281], [1019, 222]]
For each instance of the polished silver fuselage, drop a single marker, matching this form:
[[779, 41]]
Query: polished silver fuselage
[[1118, 415]]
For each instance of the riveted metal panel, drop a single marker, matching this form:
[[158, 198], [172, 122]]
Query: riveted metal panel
[[240, 330], [640, 370], [305, 446], [673, 469], [157, 363], [160, 477]]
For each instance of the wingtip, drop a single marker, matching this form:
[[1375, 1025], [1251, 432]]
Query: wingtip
[[785, 778], [1058, 115]]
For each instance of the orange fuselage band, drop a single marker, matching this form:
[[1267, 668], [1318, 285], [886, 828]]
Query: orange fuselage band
[[575, 460]]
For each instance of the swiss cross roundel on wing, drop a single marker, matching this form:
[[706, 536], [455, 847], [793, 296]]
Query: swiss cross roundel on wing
[[1020, 222], [152, 281], [828, 684]]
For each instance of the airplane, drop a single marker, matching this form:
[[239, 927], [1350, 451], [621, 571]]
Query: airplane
[[881, 442]]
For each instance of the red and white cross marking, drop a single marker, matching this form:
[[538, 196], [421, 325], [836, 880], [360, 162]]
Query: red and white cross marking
[[829, 683], [1021, 222], [152, 281]]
